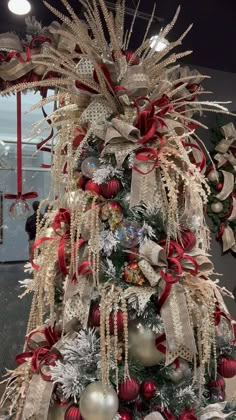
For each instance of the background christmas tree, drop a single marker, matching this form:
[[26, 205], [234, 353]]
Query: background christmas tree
[[125, 321]]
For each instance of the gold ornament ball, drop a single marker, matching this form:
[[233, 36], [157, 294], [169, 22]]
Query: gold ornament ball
[[97, 403], [142, 344], [213, 176], [217, 207]]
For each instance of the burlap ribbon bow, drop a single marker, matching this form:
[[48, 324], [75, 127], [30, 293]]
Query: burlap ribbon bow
[[120, 138], [44, 344], [20, 58], [229, 140], [214, 411], [223, 156], [166, 271]]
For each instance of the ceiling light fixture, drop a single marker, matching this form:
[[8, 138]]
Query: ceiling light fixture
[[19, 7], [158, 43]]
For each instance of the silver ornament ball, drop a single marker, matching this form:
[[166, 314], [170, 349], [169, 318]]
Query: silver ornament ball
[[89, 166], [142, 344], [97, 403], [217, 207], [177, 373], [213, 176]]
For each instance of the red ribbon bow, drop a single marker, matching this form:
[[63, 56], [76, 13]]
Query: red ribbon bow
[[174, 257], [42, 355], [63, 216]]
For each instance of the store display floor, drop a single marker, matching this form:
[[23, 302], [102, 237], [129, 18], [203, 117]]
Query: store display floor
[[13, 314]]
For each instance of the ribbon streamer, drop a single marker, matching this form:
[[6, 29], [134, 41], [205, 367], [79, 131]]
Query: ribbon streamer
[[19, 194]]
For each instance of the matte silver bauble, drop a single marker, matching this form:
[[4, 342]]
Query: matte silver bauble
[[176, 374], [213, 176], [97, 403], [217, 207], [142, 346]]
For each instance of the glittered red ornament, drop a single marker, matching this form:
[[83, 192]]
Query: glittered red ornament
[[125, 415], [132, 274], [81, 181], [140, 405], [94, 316], [219, 186], [187, 240], [227, 367], [218, 383], [148, 389], [187, 414], [73, 413], [111, 188], [93, 187], [128, 390], [120, 322]]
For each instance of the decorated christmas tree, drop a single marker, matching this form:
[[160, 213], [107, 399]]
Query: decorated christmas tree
[[126, 322]]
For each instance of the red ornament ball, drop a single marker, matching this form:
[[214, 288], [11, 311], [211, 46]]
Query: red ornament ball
[[128, 390], [94, 316], [81, 181], [140, 405], [148, 389], [73, 413], [227, 367], [120, 322], [188, 239], [219, 186], [111, 188], [218, 383], [93, 187], [125, 415], [187, 414]]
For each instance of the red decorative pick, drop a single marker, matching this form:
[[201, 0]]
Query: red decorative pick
[[19, 194]]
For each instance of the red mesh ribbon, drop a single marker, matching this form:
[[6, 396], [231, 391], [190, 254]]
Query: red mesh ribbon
[[42, 355], [19, 157]]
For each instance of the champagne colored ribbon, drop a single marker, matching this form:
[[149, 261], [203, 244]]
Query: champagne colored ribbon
[[224, 156], [40, 344], [41, 386], [19, 194], [214, 411], [228, 238], [157, 265], [228, 186]]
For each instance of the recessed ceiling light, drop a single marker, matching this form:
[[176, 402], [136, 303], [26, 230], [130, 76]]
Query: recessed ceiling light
[[19, 7], [158, 43]]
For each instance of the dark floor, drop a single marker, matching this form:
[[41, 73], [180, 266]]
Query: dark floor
[[13, 314]]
